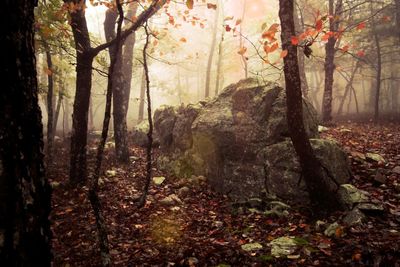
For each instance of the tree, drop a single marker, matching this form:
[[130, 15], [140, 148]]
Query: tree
[[85, 55], [321, 195], [211, 53], [330, 58], [24, 190]]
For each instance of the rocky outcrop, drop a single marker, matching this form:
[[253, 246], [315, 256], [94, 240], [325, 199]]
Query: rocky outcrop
[[238, 141], [139, 135]]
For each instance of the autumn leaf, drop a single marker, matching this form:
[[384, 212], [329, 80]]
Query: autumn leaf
[[361, 53], [228, 28], [294, 40], [189, 4], [284, 53], [318, 25], [242, 51], [269, 35], [345, 48], [361, 26], [183, 40], [238, 22], [228, 18], [211, 6]]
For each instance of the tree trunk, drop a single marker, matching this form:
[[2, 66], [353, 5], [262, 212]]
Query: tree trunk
[[329, 62], [119, 92], [299, 26], [348, 87], [321, 195], [397, 3], [25, 237], [84, 60], [219, 63], [50, 105], [127, 57], [142, 96], [211, 53], [242, 56], [378, 77]]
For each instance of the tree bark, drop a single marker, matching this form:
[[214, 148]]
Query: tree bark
[[84, 60], [25, 237], [120, 98], [321, 195], [330, 61], [50, 104], [211, 53], [378, 77], [142, 96], [299, 26]]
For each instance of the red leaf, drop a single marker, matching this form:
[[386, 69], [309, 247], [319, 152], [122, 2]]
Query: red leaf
[[361, 26], [295, 40], [318, 25]]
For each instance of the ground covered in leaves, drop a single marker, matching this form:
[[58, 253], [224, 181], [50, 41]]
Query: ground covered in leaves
[[186, 224]]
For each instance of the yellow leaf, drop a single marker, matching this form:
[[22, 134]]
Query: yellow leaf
[[284, 53]]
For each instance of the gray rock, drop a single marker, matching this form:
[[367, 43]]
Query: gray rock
[[375, 208], [224, 139], [331, 229], [139, 134], [171, 200], [283, 246], [354, 217], [349, 196], [183, 191], [283, 172]]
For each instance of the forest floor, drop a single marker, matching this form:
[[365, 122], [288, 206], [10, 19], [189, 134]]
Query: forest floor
[[203, 230]]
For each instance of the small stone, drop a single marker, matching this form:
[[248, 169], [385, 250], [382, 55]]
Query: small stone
[[371, 207], [354, 217], [283, 246], [55, 184], [322, 129], [375, 157], [134, 158], [251, 246], [331, 229], [254, 202], [183, 191], [380, 177], [192, 261], [111, 173], [350, 195], [158, 180], [396, 170], [171, 200]]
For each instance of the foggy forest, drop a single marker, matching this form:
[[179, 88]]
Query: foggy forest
[[200, 133]]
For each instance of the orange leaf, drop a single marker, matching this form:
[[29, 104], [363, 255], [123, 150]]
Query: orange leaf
[[284, 53], [242, 51], [269, 35], [318, 25], [211, 6], [361, 53], [361, 26], [183, 40], [238, 21], [273, 47], [189, 4], [294, 40]]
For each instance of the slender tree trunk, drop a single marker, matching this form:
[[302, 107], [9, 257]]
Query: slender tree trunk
[[211, 53], [320, 192], [58, 108], [84, 60], [243, 57], [25, 237], [50, 105], [219, 63], [142, 96], [119, 92], [299, 25], [115, 50], [127, 56], [91, 114], [348, 88], [142, 200], [397, 3], [378, 77], [329, 61], [67, 115]]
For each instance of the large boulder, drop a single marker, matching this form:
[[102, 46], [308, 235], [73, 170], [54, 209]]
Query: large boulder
[[227, 139], [282, 168], [139, 135]]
